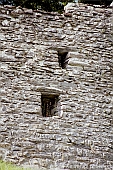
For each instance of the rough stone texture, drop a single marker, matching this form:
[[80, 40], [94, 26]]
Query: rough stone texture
[[80, 137]]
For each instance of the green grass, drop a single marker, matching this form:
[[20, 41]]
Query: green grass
[[9, 166]]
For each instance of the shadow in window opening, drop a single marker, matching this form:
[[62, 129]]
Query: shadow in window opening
[[62, 59], [49, 105]]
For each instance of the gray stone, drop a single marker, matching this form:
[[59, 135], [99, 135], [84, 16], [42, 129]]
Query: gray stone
[[28, 11], [60, 63], [5, 23], [19, 11]]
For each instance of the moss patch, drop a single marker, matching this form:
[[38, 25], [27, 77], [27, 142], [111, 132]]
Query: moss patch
[[9, 166]]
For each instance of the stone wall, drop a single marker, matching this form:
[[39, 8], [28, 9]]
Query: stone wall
[[80, 135]]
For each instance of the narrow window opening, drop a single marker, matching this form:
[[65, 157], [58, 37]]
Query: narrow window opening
[[62, 59], [49, 105]]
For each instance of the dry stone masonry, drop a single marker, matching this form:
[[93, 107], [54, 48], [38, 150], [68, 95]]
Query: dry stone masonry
[[57, 87]]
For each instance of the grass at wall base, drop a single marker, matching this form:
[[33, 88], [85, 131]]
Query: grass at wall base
[[9, 166]]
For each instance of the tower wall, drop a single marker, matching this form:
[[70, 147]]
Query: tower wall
[[80, 135]]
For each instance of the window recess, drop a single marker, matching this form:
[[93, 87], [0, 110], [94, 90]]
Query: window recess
[[63, 59], [49, 105]]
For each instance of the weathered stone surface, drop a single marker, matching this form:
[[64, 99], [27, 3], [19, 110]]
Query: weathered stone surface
[[80, 135], [5, 23]]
